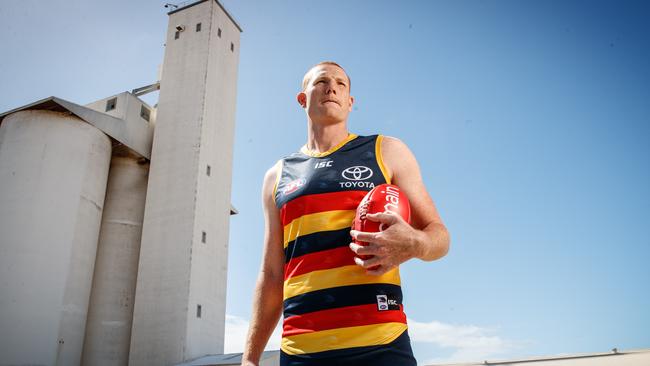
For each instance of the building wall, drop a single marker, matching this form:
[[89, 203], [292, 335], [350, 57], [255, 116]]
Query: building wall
[[205, 335], [195, 119], [53, 169], [127, 107], [131, 128]]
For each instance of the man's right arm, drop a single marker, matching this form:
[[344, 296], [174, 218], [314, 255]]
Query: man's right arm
[[267, 299]]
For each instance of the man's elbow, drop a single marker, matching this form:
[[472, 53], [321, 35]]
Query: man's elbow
[[272, 278]]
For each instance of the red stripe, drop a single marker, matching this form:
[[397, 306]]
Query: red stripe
[[313, 203], [325, 259], [349, 316]]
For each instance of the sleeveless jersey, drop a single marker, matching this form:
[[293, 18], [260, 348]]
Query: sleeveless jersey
[[332, 308]]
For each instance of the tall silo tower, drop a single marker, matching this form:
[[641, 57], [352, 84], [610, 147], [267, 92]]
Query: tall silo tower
[[181, 286]]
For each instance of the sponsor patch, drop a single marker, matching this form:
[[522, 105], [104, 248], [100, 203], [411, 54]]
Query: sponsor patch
[[323, 164], [386, 303], [356, 173]]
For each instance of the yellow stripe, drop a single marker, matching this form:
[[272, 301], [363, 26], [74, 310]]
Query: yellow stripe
[[336, 277], [278, 174], [380, 159], [315, 154], [320, 221], [331, 339]]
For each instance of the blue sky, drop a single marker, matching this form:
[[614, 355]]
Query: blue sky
[[530, 120]]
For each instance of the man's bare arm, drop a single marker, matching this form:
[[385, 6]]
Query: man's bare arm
[[267, 299], [426, 238]]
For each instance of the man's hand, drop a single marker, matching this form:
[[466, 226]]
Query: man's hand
[[395, 245]]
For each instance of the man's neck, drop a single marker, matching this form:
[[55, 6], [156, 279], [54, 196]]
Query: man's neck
[[322, 138]]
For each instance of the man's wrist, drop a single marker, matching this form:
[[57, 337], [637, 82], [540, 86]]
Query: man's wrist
[[249, 361], [420, 244], [433, 242]]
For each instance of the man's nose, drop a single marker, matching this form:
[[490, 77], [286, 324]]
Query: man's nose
[[330, 87]]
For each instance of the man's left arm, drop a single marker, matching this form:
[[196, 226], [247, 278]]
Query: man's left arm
[[425, 238]]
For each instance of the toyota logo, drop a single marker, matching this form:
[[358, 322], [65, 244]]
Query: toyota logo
[[357, 173]]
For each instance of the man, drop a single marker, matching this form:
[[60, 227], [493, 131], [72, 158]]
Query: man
[[310, 270]]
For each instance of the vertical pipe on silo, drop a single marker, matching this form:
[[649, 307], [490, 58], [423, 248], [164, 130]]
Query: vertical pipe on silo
[[108, 329]]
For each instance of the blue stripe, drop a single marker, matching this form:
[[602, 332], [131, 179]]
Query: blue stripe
[[316, 242], [337, 297], [396, 353]]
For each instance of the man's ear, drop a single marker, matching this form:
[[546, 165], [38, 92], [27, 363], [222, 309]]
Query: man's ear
[[351, 103], [302, 99]]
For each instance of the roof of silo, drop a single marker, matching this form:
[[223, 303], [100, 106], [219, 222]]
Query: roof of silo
[[189, 5]]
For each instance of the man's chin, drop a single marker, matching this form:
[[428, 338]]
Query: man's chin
[[328, 120]]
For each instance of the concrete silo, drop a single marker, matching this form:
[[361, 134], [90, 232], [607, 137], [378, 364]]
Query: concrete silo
[[53, 169], [105, 259], [108, 328], [179, 304]]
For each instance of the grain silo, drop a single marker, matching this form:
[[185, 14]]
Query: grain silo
[[180, 296], [113, 246], [53, 169]]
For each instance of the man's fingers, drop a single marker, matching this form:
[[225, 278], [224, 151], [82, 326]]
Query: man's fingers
[[383, 217], [364, 236], [366, 263], [363, 249]]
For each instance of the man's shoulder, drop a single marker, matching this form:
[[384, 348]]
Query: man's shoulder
[[391, 140], [392, 144]]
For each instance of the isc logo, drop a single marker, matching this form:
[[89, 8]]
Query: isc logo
[[323, 164]]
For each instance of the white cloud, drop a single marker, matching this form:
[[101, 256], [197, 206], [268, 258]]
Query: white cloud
[[236, 331], [466, 342]]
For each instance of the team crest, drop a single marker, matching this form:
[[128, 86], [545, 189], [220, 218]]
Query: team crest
[[293, 186]]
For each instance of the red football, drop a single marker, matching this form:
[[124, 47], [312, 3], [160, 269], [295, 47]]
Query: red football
[[383, 198]]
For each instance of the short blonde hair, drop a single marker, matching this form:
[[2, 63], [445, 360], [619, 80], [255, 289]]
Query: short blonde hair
[[305, 79]]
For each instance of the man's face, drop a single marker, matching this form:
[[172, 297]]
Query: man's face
[[326, 97]]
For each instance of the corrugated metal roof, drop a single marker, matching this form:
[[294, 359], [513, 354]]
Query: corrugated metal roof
[[639, 357], [228, 359]]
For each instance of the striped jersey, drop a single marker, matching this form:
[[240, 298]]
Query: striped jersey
[[332, 308]]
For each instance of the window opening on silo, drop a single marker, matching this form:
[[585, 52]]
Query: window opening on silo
[[198, 27], [219, 32], [204, 237], [207, 170], [232, 47], [110, 104], [145, 113], [177, 34], [198, 311]]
